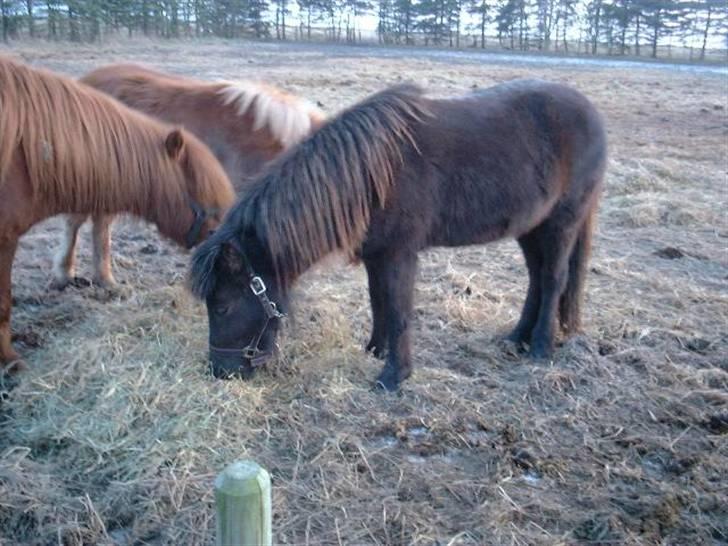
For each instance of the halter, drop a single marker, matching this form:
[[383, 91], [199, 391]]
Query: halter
[[252, 351], [200, 216]]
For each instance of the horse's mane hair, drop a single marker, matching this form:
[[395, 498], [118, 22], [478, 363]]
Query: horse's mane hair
[[318, 198], [84, 149], [288, 118]]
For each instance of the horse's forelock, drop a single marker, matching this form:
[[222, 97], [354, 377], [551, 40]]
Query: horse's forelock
[[203, 270]]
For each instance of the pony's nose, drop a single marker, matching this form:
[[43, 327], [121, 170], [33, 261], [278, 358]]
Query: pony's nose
[[230, 367]]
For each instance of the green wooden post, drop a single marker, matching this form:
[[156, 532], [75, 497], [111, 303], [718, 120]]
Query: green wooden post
[[242, 495]]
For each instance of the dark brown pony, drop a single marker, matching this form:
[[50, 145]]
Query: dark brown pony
[[245, 124], [67, 148], [398, 173]]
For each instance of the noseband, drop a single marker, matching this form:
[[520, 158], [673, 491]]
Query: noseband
[[201, 215], [252, 351]]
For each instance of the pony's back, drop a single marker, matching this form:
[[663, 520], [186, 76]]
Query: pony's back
[[236, 110]]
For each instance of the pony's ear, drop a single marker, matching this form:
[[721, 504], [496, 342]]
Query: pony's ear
[[174, 144]]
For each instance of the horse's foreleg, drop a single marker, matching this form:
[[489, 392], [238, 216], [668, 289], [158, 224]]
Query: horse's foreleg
[[556, 248], [531, 251], [398, 277], [64, 263], [102, 250], [377, 296], [9, 359]]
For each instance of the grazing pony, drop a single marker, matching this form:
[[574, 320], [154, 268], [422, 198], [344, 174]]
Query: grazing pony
[[67, 148], [398, 173], [244, 124]]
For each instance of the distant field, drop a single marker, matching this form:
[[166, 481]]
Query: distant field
[[116, 432]]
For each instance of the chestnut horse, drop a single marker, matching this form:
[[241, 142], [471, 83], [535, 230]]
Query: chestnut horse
[[67, 148], [245, 125], [398, 173]]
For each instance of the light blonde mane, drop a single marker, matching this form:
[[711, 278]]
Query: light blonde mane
[[289, 119], [86, 152]]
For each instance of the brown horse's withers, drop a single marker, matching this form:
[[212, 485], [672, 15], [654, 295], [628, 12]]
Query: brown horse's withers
[[244, 124], [67, 148], [398, 173]]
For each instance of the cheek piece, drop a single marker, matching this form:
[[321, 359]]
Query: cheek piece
[[193, 235], [252, 351]]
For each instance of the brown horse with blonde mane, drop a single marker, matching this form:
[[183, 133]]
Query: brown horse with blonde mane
[[245, 124], [397, 173], [67, 148]]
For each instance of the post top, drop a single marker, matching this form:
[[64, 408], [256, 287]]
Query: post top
[[243, 477]]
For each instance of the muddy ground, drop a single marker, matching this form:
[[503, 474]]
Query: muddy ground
[[116, 432]]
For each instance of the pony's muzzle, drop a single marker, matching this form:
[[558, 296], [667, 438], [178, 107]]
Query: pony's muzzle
[[230, 367]]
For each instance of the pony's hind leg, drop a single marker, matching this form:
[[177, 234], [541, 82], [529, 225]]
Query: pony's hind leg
[[531, 248], [102, 250], [398, 277], [570, 303], [377, 295], [64, 263], [556, 244], [9, 359]]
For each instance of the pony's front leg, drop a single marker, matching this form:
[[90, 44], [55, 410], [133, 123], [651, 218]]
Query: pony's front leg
[[398, 282], [64, 263], [102, 250], [9, 359], [376, 271]]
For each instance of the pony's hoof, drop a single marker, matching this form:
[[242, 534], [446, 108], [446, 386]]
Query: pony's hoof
[[509, 347], [375, 350], [75, 282], [390, 379]]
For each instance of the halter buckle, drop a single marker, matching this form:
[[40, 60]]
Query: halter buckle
[[250, 352], [257, 286]]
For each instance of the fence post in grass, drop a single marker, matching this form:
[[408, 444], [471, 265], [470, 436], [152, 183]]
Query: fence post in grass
[[242, 496]]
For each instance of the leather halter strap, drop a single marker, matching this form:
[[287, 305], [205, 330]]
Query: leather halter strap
[[193, 235]]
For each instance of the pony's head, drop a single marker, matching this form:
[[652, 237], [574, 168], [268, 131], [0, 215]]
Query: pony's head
[[207, 186], [245, 301]]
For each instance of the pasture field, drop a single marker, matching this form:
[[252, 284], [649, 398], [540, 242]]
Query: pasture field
[[116, 432]]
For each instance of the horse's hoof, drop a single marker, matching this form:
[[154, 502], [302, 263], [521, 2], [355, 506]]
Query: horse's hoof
[[75, 282], [385, 385], [390, 379], [376, 351]]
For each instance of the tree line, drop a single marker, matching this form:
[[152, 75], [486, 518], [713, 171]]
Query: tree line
[[615, 27]]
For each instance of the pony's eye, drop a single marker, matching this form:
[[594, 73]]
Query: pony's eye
[[223, 309]]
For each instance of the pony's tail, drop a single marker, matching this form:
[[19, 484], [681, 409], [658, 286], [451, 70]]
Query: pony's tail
[[570, 302]]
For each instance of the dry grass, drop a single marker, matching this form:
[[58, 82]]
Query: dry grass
[[115, 434]]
